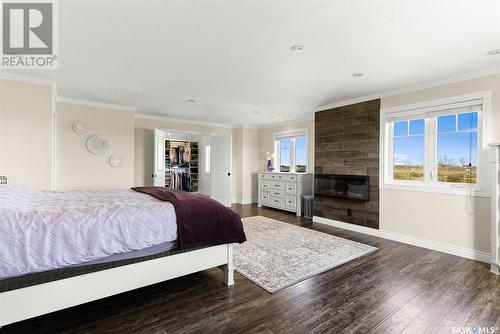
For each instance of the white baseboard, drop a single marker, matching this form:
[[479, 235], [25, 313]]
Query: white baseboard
[[495, 268], [424, 243], [245, 202]]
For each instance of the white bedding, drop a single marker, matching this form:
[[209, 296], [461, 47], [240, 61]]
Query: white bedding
[[42, 231]]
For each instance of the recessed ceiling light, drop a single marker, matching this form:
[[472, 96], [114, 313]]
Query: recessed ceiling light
[[297, 48], [191, 100], [281, 119], [493, 52], [357, 75]]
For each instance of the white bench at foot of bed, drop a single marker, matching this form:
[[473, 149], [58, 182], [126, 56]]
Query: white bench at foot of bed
[[29, 302]]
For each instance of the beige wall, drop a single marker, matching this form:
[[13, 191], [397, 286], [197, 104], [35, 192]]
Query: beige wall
[[26, 157], [250, 151], [266, 143], [77, 168], [441, 217], [26, 123], [237, 166], [438, 217]]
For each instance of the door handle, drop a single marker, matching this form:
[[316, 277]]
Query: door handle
[[228, 174]]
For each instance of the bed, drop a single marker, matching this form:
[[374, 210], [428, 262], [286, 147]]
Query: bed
[[61, 249]]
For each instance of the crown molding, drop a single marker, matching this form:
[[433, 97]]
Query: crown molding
[[27, 79], [180, 120], [408, 89], [483, 72], [94, 104], [245, 126], [292, 121]]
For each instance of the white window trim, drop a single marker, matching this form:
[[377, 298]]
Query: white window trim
[[208, 158], [289, 134], [482, 189]]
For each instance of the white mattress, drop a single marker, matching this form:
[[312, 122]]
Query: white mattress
[[42, 231]]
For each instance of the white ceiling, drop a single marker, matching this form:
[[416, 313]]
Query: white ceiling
[[233, 57]]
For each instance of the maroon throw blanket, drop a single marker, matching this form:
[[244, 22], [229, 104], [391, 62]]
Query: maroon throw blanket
[[201, 221]]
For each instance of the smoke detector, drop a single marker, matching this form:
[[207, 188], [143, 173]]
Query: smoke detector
[[297, 48]]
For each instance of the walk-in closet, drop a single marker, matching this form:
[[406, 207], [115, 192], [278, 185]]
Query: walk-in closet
[[193, 162]]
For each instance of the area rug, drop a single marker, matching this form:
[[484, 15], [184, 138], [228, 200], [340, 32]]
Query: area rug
[[277, 254]]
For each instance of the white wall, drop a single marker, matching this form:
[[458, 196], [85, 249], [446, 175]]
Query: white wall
[[237, 166], [26, 123], [77, 168], [250, 166]]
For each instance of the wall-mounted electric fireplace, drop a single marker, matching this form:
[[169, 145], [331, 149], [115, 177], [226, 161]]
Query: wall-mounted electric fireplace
[[355, 187]]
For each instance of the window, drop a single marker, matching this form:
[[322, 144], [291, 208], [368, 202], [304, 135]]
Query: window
[[457, 148], [285, 154], [291, 151], [409, 147], [437, 146], [207, 159]]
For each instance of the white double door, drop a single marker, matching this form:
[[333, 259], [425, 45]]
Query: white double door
[[220, 165]]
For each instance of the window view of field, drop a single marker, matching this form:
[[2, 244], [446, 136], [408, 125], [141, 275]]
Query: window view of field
[[411, 173], [446, 173], [300, 168], [457, 174], [299, 147], [457, 142]]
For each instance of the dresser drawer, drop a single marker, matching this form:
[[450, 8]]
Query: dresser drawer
[[264, 197], [278, 177], [277, 201], [264, 185], [265, 176], [290, 202], [275, 185], [277, 193], [289, 178], [291, 188]]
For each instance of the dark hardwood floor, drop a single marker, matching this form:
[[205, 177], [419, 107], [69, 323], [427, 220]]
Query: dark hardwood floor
[[398, 289]]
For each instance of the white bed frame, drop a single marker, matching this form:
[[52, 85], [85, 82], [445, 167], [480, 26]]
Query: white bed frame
[[32, 301]]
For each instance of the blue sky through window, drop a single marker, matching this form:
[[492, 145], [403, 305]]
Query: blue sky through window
[[409, 143], [285, 145], [456, 140], [301, 151]]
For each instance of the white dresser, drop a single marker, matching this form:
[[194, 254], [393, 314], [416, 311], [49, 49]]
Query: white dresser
[[495, 208], [284, 190]]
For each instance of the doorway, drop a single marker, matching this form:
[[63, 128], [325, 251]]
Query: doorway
[[193, 161]]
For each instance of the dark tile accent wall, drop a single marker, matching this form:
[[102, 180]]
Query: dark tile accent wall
[[347, 142]]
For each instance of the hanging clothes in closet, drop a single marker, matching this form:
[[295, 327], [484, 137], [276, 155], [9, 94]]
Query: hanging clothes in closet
[[180, 180]]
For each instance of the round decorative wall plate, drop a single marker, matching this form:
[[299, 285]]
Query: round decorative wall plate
[[97, 144], [79, 126], [115, 161]]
